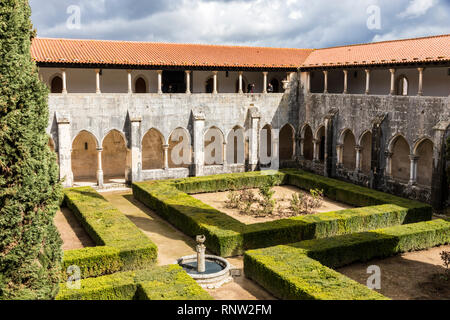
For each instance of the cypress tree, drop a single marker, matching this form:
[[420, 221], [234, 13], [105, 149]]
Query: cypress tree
[[30, 193]]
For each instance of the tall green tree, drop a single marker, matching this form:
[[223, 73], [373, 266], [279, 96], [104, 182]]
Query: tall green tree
[[30, 245]]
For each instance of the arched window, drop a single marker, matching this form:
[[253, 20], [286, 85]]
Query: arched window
[[140, 86], [402, 86], [57, 85]]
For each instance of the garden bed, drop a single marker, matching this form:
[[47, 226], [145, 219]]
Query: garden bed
[[72, 232]]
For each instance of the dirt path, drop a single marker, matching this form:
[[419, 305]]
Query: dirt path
[[282, 194], [72, 233], [411, 276]]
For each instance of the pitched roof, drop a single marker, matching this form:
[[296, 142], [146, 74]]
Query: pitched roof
[[46, 50], [418, 50]]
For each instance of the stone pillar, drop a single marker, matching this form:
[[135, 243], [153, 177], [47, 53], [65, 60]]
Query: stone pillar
[[329, 166], [439, 183], [308, 82], [340, 155], [325, 82], [420, 92], [255, 117], [64, 81], [367, 81], [97, 81], [215, 91], [392, 71], [99, 168], [166, 156], [345, 81], [240, 82], [316, 150], [413, 169], [265, 82], [65, 152], [134, 163], [275, 163], [130, 85], [224, 151], [302, 148], [159, 81], [358, 158], [188, 82], [199, 142], [388, 173]]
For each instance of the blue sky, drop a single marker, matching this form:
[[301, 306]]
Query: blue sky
[[273, 23]]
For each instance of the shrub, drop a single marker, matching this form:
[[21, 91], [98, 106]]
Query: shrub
[[445, 256], [30, 193]]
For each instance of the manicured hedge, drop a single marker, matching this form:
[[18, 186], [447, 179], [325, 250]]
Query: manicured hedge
[[227, 236], [121, 245], [160, 283], [301, 270]]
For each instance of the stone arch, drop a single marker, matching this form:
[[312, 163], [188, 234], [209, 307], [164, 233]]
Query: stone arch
[[214, 139], [400, 160], [114, 155], [287, 142], [424, 151], [152, 150], [308, 144], [349, 150], [236, 146], [56, 84], [180, 148], [365, 142], [140, 84], [265, 145], [320, 138], [85, 157]]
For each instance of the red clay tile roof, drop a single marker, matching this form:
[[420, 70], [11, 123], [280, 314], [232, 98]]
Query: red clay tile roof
[[68, 51], [418, 50]]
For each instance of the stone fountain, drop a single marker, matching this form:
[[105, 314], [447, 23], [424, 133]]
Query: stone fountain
[[209, 271]]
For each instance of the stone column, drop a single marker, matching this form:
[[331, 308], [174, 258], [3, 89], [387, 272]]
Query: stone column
[[166, 156], [65, 152], [275, 163], [99, 168], [340, 155], [188, 82], [420, 92], [413, 169], [316, 150], [308, 82], [215, 82], [439, 183], [325, 81], [254, 138], [64, 81], [388, 173], [367, 81], [392, 71], [358, 158], [130, 86], [97, 81], [240, 82], [224, 155], [265, 82], [345, 81], [159, 81], [199, 143], [134, 163], [302, 148]]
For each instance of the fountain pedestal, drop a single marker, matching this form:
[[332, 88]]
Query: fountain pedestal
[[201, 263]]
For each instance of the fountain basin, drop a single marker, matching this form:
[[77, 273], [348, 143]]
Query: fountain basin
[[217, 270]]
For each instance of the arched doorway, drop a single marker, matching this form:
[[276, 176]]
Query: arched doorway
[[236, 146], [424, 151], [152, 150], [366, 153], [114, 156], [140, 85], [180, 150], [308, 145], [401, 163], [214, 147], [287, 141], [84, 157], [349, 151], [56, 85]]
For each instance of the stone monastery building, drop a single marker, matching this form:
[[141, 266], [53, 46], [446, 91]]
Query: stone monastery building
[[374, 114]]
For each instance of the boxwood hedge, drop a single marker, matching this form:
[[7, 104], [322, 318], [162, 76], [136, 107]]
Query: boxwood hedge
[[121, 245], [159, 283], [302, 270], [227, 236]]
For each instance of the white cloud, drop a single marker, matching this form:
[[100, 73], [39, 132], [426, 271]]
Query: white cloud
[[417, 8]]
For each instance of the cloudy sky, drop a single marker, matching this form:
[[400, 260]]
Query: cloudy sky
[[274, 23]]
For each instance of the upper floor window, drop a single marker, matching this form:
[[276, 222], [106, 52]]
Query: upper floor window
[[56, 85], [402, 86], [140, 86]]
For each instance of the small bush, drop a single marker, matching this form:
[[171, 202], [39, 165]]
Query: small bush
[[304, 204], [445, 255]]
